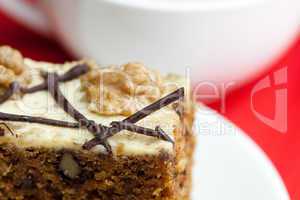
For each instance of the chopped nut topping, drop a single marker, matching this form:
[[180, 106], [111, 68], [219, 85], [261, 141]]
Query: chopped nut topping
[[6, 76], [12, 67], [121, 91], [12, 59]]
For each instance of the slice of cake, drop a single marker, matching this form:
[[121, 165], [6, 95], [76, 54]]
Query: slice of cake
[[79, 131]]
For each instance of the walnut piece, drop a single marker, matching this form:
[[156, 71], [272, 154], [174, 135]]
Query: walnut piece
[[6, 76], [121, 90], [69, 166], [12, 67]]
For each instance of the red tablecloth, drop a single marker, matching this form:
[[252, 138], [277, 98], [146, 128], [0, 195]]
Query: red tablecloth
[[283, 149]]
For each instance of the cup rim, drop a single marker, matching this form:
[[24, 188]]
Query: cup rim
[[174, 6]]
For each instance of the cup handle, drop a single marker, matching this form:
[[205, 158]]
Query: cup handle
[[27, 13]]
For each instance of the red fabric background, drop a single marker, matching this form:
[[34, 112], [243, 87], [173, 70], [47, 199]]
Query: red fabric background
[[283, 149]]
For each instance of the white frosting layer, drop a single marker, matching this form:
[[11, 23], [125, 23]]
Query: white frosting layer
[[42, 104]]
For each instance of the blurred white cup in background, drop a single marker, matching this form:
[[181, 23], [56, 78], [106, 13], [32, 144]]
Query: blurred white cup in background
[[218, 40]]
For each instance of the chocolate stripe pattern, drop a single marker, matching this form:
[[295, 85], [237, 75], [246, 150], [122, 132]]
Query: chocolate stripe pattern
[[101, 132]]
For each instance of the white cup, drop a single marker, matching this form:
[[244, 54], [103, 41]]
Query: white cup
[[218, 40]]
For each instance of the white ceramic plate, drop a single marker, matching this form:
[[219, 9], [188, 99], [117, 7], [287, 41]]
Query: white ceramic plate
[[229, 165]]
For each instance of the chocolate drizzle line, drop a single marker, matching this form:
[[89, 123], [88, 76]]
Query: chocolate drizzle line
[[2, 131], [174, 96], [158, 132], [38, 120], [101, 132], [69, 75], [13, 88], [53, 88], [73, 73]]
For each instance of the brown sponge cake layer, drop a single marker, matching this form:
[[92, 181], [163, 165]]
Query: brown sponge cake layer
[[38, 173]]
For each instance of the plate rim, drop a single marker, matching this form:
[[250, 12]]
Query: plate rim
[[261, 156]]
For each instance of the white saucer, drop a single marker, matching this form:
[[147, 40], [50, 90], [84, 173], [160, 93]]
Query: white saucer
[[229, 165]]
